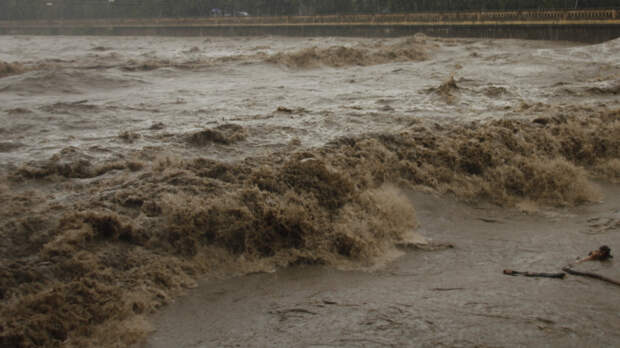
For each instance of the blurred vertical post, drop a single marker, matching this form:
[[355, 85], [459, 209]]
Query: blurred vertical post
[[110, 8], [49, 12]]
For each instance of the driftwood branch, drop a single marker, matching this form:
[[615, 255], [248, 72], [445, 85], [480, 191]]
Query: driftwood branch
[[590, 275], [601, 254], [535, 274]]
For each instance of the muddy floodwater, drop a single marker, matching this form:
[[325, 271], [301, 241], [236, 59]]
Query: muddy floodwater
[[277, 191], [86, 91], [454, 297]]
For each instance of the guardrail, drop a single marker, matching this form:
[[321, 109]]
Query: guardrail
[[593, 16]]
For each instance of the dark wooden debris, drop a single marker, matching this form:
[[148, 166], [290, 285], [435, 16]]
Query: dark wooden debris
[[602, 254], [590, 275], [535, 274]]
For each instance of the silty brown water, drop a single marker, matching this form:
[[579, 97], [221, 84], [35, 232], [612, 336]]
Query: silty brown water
[[133, 166]]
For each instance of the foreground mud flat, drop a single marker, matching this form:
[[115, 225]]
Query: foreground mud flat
[[133, 168]]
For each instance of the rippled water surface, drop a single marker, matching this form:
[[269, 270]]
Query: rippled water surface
[[86, 91]]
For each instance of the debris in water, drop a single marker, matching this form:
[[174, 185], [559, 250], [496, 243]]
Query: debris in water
[[284, 109], [494, 91], [100, 48], [448, 86], [446, 90], [426, 246], [602, 254], [8, 146], [18, 111], [534, 274], [225, 134], [157, 126], [129, 136], [7, 69], [590, 275]]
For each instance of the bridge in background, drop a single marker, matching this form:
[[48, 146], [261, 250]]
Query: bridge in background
[[593, 25]]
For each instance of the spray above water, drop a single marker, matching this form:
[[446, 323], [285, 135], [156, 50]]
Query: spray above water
[[225, 134], [412, 49]]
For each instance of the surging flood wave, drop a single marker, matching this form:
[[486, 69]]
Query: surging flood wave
[[412, 49], [7, 69], [134, 234]]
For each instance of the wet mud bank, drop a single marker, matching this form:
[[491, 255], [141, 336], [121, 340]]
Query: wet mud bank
[[450, 297]]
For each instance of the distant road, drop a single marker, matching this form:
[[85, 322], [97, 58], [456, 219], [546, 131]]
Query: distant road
[[580, 25]]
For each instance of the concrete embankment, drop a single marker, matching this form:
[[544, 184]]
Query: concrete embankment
[[582, 25]]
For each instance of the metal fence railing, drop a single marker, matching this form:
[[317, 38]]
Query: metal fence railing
[[611, 14]]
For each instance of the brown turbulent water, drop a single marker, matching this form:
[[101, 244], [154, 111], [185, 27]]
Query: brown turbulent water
[[456, 297], [131, 167]]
